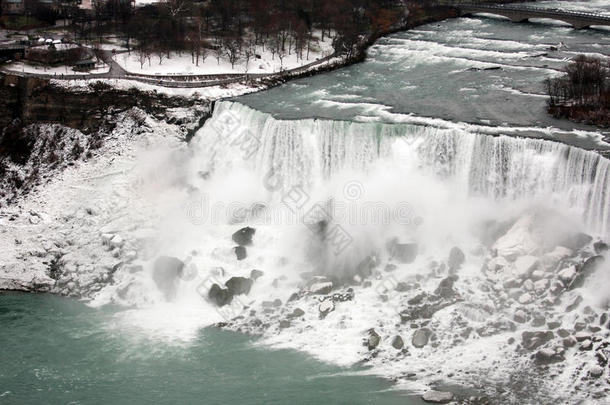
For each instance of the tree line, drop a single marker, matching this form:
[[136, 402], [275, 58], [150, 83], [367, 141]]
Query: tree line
[[233, 29], [583, 92]]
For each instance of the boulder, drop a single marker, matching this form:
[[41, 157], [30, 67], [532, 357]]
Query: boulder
[[596, 371], [569, 341], [220, 296], [166, 273], [116, 241], [547, 356], [373, 339], [284, 324], [525, 299], [437, 397], [600, 247], [421, 337], [397, 342], [325, 308], [296, 313], [445, 288], [533, 340], [256, 274], [524, 266], [239, 285], [240, 252], [243, 237], [567, 275], [518, 241], [498, 263], [586, 270], [456, 259], [520, 317], [322, 288], [541, 285]]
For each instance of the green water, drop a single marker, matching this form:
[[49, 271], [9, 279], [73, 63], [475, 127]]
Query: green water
[[59, 351]]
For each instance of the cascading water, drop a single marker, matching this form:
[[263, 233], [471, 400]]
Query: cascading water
[[335, 199], [310, 152]]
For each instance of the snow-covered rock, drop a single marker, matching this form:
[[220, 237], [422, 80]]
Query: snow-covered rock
[[518, 241], [524, 266]]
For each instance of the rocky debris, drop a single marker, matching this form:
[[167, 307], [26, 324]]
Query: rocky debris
[[240, 252], [243, 237], [326, 307], [348, 295], [372, 340], [239, 285], [397, 342], [586, 270], [421, 337], [296, 313], [445, 288], [220, 296], [284, 324], [166, 272], [533, 340], [425, 310], [402, 252], [256, 274], [437, 397], [494, 327], [602, 355], [547, 356], [456, 259]]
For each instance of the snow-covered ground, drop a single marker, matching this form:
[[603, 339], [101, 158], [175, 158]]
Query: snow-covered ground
[[21, 67], [66, 216], [201, 93], [182, 64]]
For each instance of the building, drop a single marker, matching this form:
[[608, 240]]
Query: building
[[13, 6]]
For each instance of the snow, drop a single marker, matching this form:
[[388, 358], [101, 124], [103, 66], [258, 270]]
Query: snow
[[202, 93], [182, 64], [21, 67]]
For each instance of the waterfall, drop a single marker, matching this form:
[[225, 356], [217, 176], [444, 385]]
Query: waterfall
[[310, 151]]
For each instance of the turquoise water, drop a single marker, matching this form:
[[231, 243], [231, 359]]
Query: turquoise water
[[59, 351]]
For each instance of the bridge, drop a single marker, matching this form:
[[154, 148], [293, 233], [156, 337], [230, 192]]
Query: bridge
[[522, 13]]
